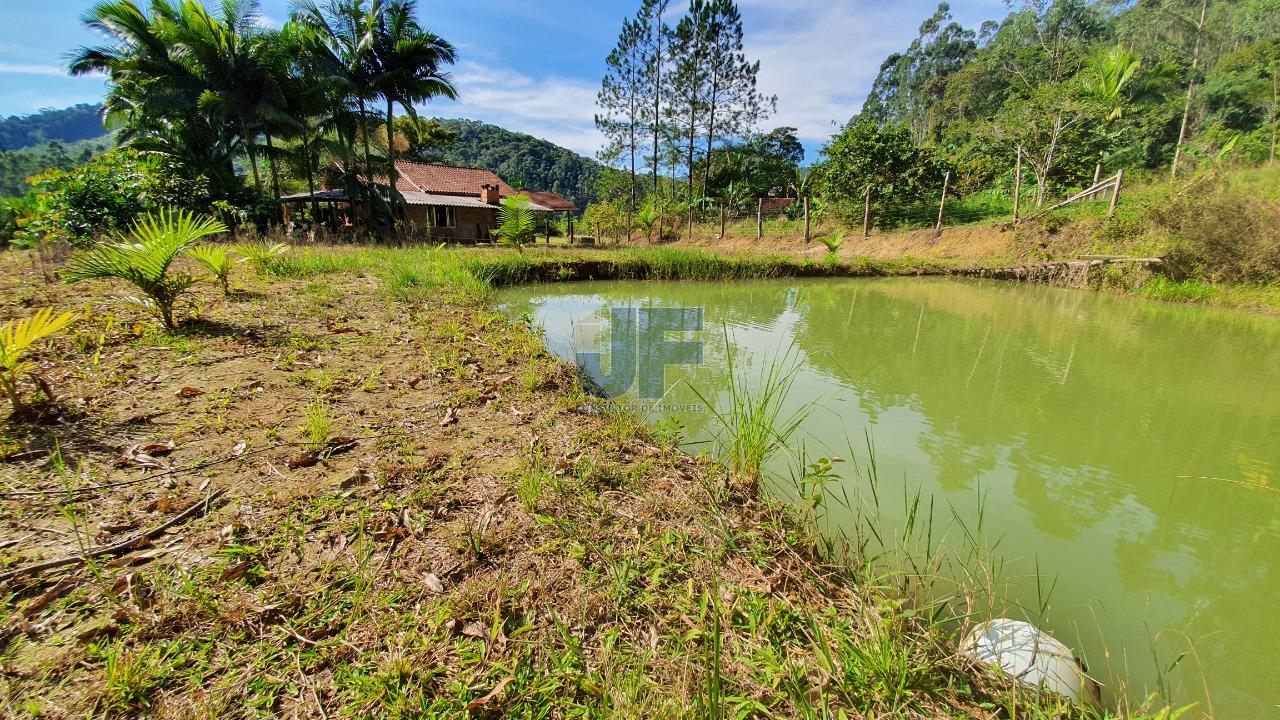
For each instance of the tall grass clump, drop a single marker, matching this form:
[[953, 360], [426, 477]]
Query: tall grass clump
[[754, 426], [313, 263], [681, 264], [1222, 235]]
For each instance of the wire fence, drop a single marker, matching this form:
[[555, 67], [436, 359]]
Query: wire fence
[[882, 212]]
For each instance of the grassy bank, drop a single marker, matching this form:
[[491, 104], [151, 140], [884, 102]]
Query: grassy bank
[[1217, 229], [392, 502]]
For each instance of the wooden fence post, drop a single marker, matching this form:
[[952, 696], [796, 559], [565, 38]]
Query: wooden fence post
[[1097, 175], [942, 206], [1017, 185], [759, 219], [1115, 193], [806, 219], [866, 217]]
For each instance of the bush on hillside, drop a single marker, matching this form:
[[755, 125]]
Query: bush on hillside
[[887, 159], [8, 223], [105, 196], [1222, 234]]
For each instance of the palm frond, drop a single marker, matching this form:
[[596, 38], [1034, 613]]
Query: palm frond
[[16, 336], [516, 221], [144, 258]]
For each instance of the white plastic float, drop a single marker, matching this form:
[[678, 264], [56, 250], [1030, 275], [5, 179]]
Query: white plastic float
[[1032, 657]]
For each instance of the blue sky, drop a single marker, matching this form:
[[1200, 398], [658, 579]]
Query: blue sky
[[535, 66]]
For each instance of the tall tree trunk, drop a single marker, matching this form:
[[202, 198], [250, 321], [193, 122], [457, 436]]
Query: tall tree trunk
[[368, 166], [1275, 107], [713, 98], [631, 206], [657, 97], [693, 131], [251, 146], [1191, 89], [275, 177], [391, 157], [311, 176], [1043, 179]]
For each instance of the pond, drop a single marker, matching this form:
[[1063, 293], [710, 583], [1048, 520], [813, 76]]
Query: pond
[[1118, 456]]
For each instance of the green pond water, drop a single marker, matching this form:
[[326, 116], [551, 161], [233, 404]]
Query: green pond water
[[1125, 450]]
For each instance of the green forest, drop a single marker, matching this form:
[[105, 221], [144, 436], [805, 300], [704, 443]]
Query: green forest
[[1072, 87], [1072, 83], [522, 160], [68, 125]]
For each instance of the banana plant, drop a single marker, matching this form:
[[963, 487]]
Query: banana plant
[[649, 215], [16, 338], [217, 261], [144, 259]]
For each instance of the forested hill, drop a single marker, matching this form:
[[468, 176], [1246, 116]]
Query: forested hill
[[522, 160], [18, 165], [1077, 82], [68, 125]]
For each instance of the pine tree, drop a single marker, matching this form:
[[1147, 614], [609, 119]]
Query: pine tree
[[655, 49], [734, 103], [621, 97], [687, 89]]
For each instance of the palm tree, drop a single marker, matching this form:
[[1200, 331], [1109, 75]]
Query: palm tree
[[154, 92], [516, 221], [407, 63], [1107, 76], [144, 258], [338, 39]]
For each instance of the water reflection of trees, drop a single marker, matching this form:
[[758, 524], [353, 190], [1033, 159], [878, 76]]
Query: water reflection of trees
[[1083, 410], [1095, 407]]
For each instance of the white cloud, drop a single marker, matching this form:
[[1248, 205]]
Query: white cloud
[[558, 109], [820, 57], [20, 69]]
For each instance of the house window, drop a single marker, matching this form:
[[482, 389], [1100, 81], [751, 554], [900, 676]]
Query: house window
[[441, 216]]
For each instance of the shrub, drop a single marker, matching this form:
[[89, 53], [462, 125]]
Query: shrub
[[516, 224], [833, 242], [145, 259], [217, 261], [887, 159], [8, 223], [1223, 235], [106, 196]]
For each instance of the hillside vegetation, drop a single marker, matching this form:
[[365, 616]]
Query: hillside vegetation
[[18, 165], [522, 160], [68, 125]]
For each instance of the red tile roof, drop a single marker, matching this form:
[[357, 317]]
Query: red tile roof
[[445, 179], [548, 200], [418, 178]]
